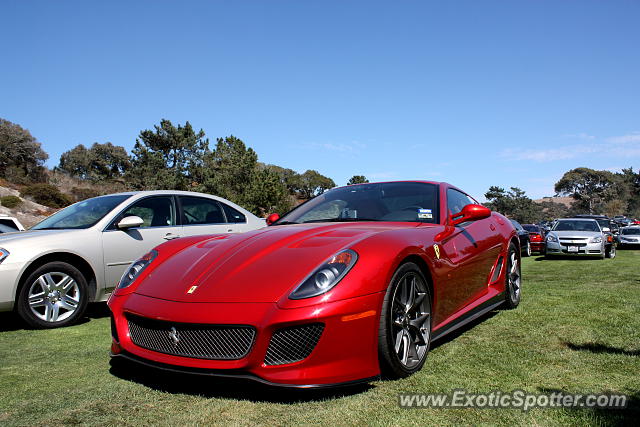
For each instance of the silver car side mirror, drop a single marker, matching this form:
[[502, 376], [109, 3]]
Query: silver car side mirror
[[130, 222]]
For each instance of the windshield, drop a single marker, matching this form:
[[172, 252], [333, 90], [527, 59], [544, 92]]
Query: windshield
[[631, 231], [82, 214], [577, 225], [604, 223], [391, 201]]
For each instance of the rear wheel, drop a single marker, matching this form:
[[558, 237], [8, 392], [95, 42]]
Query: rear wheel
[[513, 279], [405, 323], [527, 249], [54, 295]]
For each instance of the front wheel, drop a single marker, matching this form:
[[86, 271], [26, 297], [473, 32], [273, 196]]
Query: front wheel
[[513, 279], [54, 295], [611, 253], [405, 323]]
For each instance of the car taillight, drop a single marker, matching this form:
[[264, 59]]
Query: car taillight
[[536, 238]]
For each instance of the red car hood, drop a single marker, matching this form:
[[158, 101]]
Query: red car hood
[[258, 266]]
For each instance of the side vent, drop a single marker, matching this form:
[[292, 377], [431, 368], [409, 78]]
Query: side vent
[[497, 269]]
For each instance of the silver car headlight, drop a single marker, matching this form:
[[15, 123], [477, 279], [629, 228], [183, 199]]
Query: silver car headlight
[[597, 239], [326, 276], [552, 238], [3, 254]]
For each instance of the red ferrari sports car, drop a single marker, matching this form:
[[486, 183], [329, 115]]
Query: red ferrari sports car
[[354, 283]]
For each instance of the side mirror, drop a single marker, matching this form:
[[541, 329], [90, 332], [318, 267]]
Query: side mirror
[[130, 222], [470, 213], [272, 218]]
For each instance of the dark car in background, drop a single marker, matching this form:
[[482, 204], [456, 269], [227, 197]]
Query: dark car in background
[[536, 237], [523, 235]]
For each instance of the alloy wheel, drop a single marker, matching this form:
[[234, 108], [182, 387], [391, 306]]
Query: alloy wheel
[[410, 320], [54, 297], [514, 277]]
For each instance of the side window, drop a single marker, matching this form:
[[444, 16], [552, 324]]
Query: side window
[[198, 210], [457, 200], [233, 215], [154, 211]]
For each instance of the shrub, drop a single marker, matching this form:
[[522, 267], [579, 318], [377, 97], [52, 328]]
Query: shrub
[[10, 201], [80, 193], [47, 195]]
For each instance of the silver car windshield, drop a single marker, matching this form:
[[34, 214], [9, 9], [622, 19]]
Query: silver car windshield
[[577, 225], [83, 214]]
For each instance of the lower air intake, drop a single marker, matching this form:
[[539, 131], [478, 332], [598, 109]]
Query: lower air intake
[[289, 345]]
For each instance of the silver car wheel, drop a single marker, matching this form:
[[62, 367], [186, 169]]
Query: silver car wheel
[[514, 277], [54, 297], [410, 320]]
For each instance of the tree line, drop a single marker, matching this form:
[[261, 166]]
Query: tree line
[[593, 192], [175, 157]]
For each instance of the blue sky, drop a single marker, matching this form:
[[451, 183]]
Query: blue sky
[[476, 93]]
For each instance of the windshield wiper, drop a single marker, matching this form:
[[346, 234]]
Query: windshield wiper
[[340, 220]]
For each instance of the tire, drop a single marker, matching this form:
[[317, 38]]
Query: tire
[[53, 296], [513, 279], [611, 253], [527, 250], [404, 335]]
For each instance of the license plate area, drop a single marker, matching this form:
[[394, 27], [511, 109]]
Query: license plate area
[[572, 249]]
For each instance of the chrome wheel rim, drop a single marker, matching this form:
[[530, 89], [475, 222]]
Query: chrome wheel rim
[[410, 317], [514, 277], [54, 297], [528, 248]]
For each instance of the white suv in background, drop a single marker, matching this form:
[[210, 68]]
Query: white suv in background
[[9, 224], [77, 255]]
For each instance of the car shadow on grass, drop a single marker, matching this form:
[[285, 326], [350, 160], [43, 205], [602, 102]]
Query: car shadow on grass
[[600, 348], [10, 321], [225, 388], [626, 416]]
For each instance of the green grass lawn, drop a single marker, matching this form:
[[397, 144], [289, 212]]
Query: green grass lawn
[[577, 330]]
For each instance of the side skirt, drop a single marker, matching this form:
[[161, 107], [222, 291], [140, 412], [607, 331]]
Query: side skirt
[[472, 315]]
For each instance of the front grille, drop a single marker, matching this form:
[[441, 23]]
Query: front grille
[[293, 344], [202, 341]]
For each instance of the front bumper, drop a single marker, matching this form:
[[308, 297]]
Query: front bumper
[[629, 242], [346, 352], [9, 274], [568, 249]]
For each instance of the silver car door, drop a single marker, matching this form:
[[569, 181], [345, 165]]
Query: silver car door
[[122, 247]]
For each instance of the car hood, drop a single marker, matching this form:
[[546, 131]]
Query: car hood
[[576, 234], [28, 237], [257, 266]]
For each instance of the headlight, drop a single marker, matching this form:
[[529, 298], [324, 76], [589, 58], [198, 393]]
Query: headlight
[[552, 238], [596, 240], [326, 276], [3, 254], [136, 268]]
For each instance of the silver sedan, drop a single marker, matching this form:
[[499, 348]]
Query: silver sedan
[[576, 237], [50, 273]]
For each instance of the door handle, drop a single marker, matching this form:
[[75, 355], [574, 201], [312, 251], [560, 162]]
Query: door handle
[[230, 230], [170, 236]]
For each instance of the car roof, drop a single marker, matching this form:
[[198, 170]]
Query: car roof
[[574, 219]]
